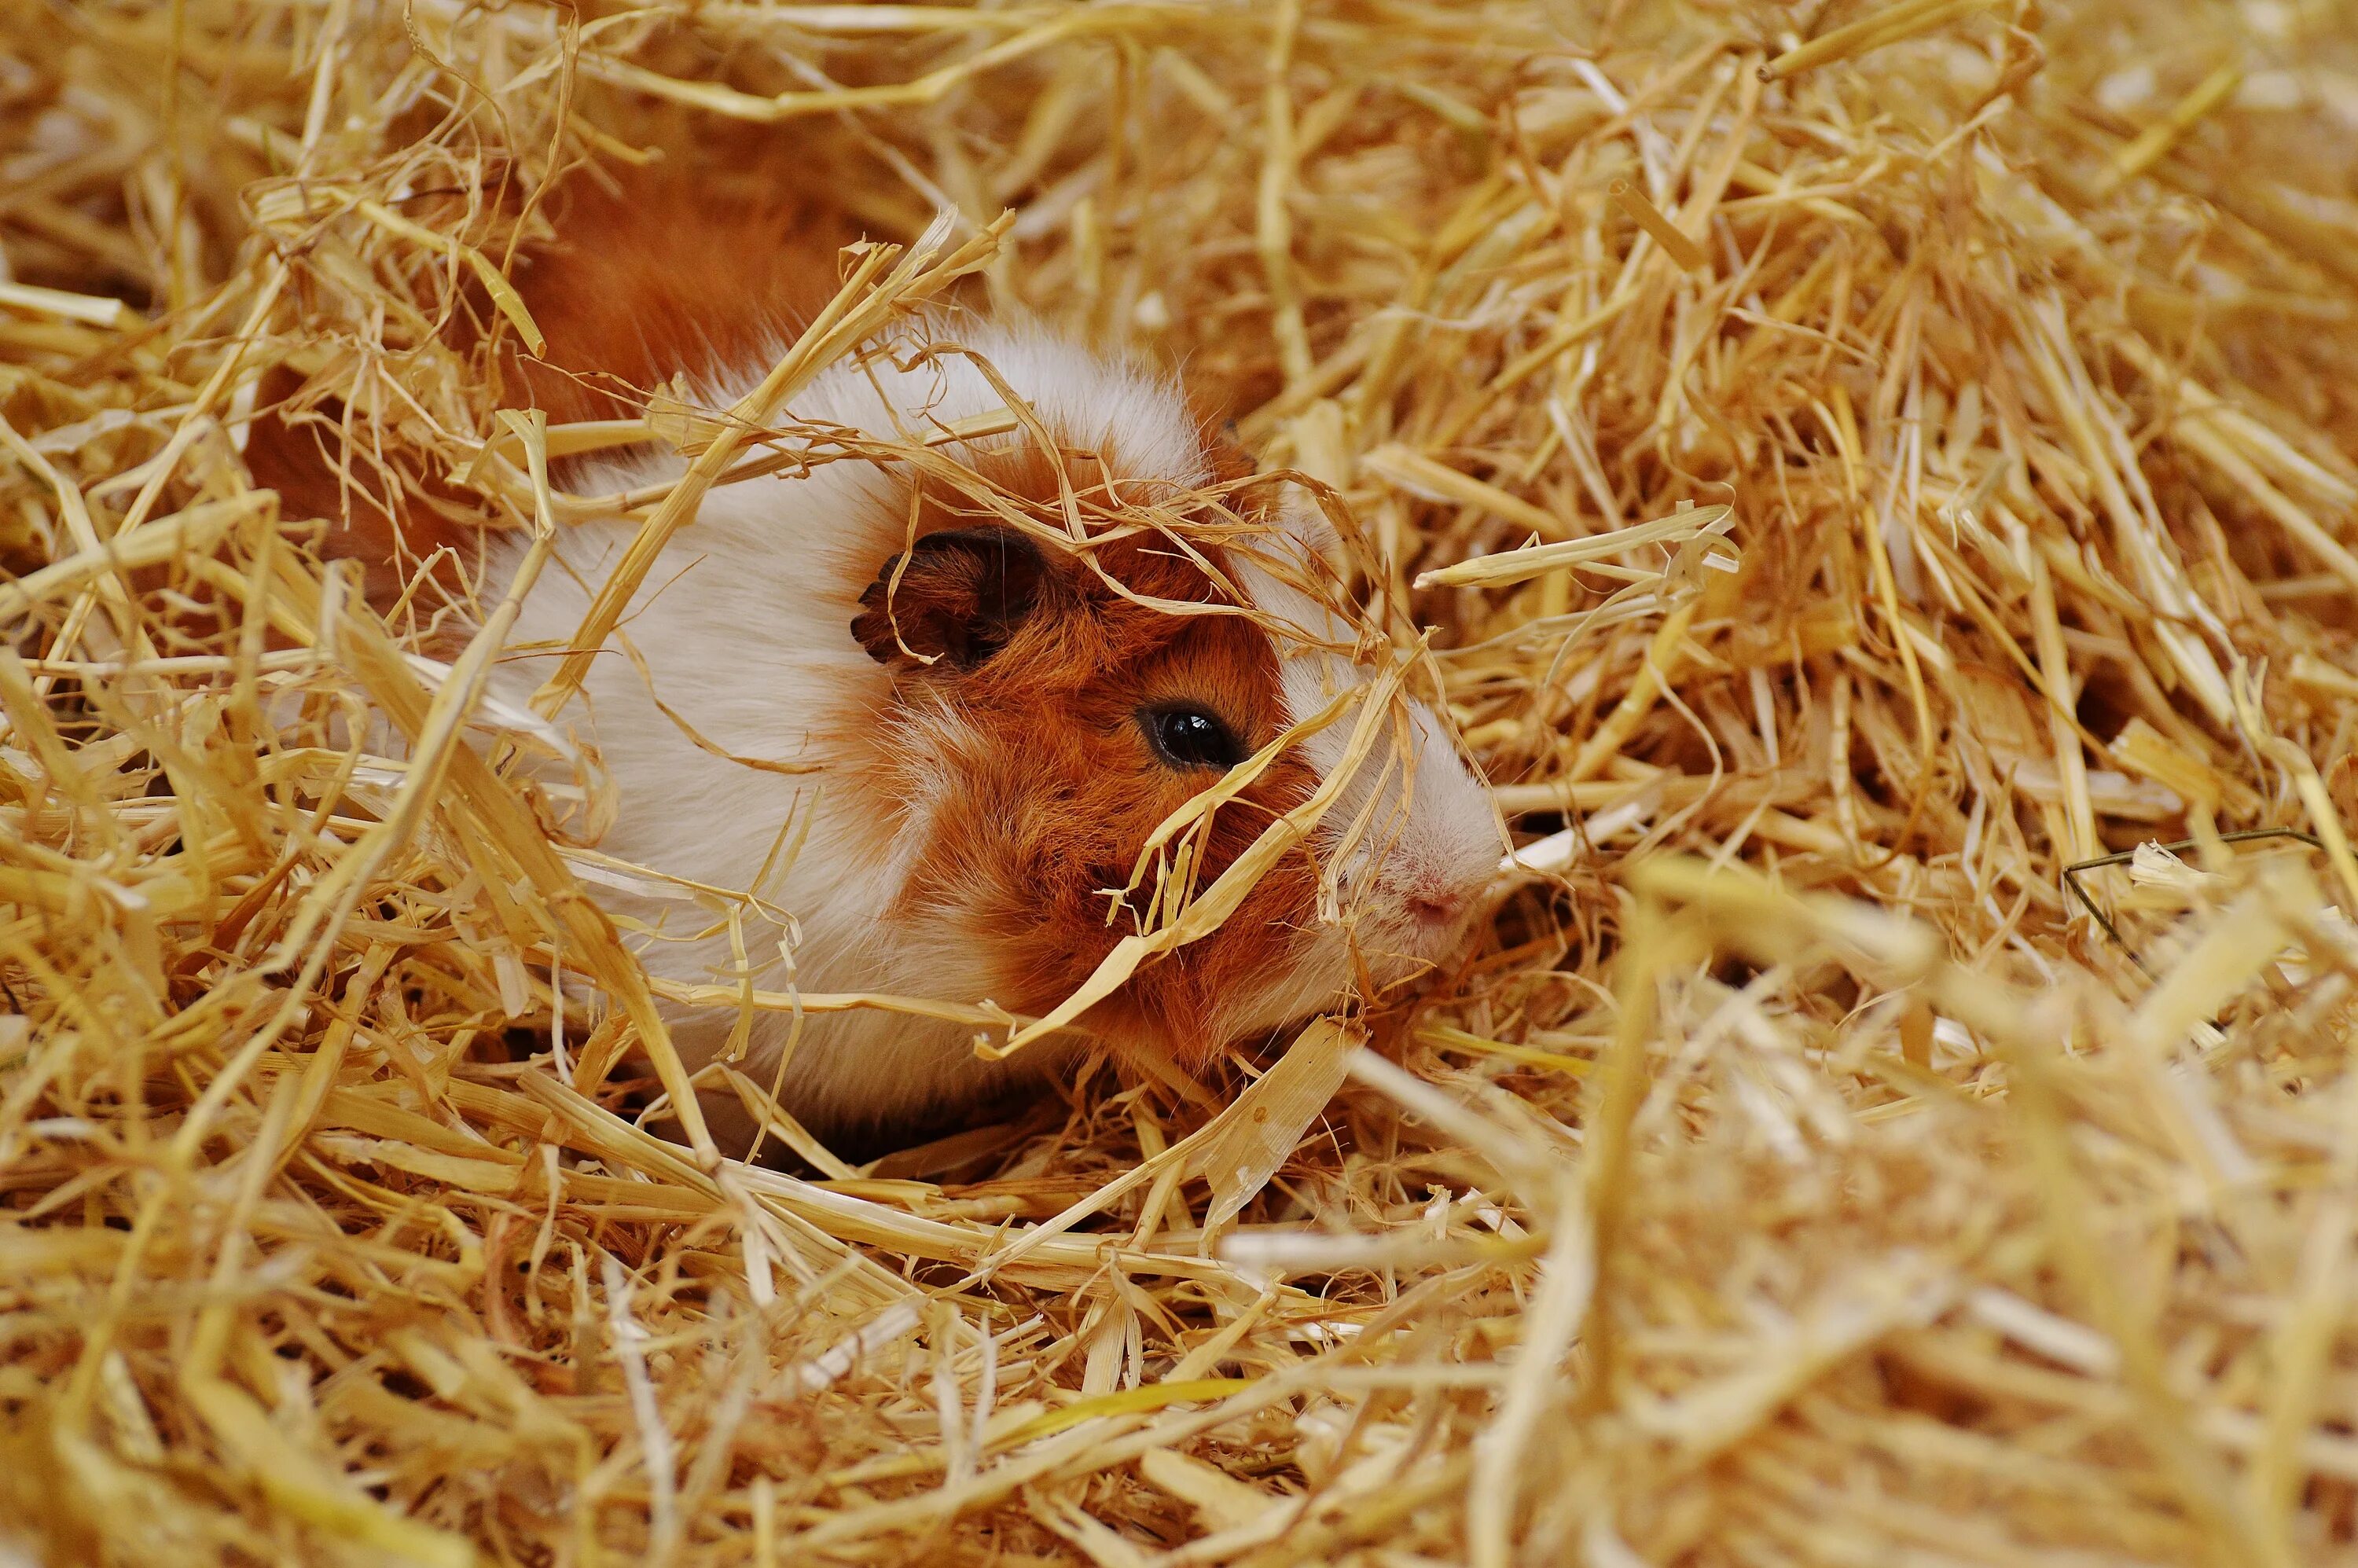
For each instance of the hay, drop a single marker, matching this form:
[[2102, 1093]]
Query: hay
[[1793, 1175]]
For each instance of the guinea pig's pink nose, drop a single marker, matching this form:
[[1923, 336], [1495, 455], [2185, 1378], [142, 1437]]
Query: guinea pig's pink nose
[[1437, 905]]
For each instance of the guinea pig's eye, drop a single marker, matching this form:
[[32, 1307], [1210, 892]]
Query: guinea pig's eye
[[1189, 736]]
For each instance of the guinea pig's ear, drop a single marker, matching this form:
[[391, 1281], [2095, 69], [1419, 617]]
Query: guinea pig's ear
[[954, 599]]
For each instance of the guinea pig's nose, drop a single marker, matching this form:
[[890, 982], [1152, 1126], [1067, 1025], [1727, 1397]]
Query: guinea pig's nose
[[1437, 905]]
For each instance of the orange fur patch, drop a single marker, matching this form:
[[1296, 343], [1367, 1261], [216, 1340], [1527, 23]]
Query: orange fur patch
[[648, 276], [1044, 786]]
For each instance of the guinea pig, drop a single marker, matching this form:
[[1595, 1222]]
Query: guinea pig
[[990, 720]]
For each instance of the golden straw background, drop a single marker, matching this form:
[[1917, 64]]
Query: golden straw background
[[1794, 1174]]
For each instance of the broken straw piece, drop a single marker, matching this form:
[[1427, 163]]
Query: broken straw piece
[[1533, 561]]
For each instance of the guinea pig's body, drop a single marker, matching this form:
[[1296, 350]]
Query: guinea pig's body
[[946, 845], [990, 727]]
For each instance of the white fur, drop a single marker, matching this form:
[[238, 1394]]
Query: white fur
[[1429, 829], [744, 624]]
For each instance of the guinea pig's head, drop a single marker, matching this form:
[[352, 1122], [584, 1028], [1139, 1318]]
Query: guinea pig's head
[[1053, 705]]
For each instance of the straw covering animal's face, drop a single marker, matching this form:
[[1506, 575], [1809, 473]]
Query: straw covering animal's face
[[1049, 713]]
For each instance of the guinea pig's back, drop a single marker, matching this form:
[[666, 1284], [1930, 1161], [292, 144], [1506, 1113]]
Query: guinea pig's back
[[651, 275], [647, 275]]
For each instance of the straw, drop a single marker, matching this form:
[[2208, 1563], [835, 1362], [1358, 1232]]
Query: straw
[[1838, 469]]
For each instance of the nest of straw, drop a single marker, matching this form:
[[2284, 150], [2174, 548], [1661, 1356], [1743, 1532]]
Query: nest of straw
[[1810, 1165]]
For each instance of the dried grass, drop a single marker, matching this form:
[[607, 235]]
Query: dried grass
[[1794, 1175]]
